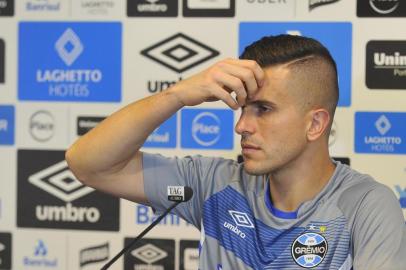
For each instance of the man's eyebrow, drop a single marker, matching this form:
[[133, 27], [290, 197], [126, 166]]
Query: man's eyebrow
[[261, 102]]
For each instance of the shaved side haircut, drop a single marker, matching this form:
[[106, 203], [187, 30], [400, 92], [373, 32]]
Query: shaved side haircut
[[309, 62]]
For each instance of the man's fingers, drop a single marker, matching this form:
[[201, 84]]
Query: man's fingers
[[226, 97], [232, 83], [253, 66], [246, 75]]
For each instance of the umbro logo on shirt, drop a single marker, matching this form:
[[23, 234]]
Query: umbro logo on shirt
[[241, 219]]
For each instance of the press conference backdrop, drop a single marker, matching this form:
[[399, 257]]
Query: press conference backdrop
[[67, 64]]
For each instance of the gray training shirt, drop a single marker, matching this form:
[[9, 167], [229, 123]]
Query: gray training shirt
[[353, 223]]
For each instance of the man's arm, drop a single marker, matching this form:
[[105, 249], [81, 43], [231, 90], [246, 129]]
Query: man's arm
[[108, 158]]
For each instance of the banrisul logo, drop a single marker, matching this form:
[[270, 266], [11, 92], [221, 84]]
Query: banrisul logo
[[381, 8], [157, 254], [204, 8], [6, 7], [152, 8], [72, 61], [207, 129], [7, 123], [57, 199], [2, 60], [386, 64], [164, 136], [5, 251], [94, 254], [41, 257], [42, 6], [337, 37], [380, 132], [309, 250]]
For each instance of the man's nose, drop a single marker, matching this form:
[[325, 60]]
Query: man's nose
[[244, 125]]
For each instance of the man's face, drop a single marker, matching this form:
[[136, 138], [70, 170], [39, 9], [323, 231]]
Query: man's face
[[272, 124]]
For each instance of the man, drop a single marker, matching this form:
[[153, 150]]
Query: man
[[288, 206]]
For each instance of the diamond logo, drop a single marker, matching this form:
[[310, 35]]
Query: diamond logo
[[59, 181], [179, 52], [149, 253], [241, 219], [382, 125], [69, 47]]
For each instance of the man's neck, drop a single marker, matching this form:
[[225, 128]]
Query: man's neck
[[300, 181]]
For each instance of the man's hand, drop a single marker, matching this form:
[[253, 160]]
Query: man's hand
[[220, 81]]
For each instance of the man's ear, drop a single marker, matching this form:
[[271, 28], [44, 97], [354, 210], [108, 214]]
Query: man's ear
[[320, 119]]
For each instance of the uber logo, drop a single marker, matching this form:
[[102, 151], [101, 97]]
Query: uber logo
[[386, 64], [179, 52], [2, 60], [204, 8], [150, 253], [6, 7], [189, 255], [152, 8], [57, 199], [6, 124], [381, 8], [207, 129], [5, 251]]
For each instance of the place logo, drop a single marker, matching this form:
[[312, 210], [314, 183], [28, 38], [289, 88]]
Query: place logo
[[204, 8], [164, 136], [42, 126], [5, 251], [97, 7], [7, 123], [402, 195], [179, 52], [2, 60], [188, 254], [42, 5], [6, 7], [318, 3], [335, 36], [85, 123], [57, 199], [41, 257], [309, 249], [380, 132], [207, 129], [157, 254], [94, 254], [152, 8], [70, 62], [381, 8], [386, 64]]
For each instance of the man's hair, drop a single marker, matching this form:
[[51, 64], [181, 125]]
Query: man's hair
[[307, 58]]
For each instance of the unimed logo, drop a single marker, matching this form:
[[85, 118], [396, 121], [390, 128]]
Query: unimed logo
[[5, 251], [380, 132], [94, 254], [86, 123], [386, 64], [72, 61], [157, 254], [204, 8], [207, 129], [152, 8], [317, 3], [6, 7], [57, 199]]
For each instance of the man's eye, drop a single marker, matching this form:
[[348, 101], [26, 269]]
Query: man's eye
[[263, 109]]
